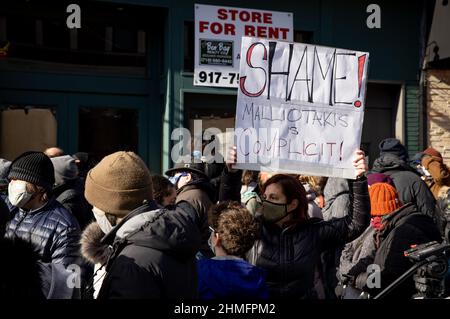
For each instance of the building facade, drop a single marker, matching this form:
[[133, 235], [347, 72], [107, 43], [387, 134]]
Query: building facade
[[124, 80]]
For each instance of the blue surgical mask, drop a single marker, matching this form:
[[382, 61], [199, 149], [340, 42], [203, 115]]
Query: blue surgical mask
[[197, 154], [175, 178]]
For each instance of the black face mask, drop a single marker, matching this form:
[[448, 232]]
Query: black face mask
[[274, 212]]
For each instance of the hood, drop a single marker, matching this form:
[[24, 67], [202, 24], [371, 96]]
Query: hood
[[65, 169], [392, 220], [201, 184], [334, 188], [388, 161], [161, 229], [230, 277], [92, 249], [422, 226], [168, 230], [4, 170]]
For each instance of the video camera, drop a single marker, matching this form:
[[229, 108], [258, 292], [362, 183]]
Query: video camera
[[430, 268], [420, 252]]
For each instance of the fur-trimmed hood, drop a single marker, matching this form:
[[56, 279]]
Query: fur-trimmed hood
[[91, 248], [149, 226]]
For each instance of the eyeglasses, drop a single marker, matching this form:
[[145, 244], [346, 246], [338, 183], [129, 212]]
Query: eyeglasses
[[212, 230]]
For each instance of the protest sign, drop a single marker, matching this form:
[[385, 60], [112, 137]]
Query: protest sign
[[300, 107], [218, 32]]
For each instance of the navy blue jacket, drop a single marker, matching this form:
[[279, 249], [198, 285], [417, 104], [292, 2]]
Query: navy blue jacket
[[230, 278], [52, 230]]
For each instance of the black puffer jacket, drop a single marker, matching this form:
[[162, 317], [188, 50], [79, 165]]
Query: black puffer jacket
[[402, 229], [154, 254], [71, 196], [411, 189], [4, 216], [290, 255], [52, 230]]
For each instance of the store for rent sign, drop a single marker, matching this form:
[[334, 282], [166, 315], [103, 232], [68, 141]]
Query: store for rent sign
[[218, 33]]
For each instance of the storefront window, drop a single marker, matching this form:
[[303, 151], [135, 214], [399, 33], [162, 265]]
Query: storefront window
[[26, 128], [103, 131]]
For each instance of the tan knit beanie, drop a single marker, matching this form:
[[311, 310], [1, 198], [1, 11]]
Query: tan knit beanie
[[119, 184]]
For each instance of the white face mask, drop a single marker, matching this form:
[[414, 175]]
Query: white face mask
[[17, 193], [102, 220]]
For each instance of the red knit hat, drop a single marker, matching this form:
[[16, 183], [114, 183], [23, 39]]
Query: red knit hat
[[383, 199], [432, 152]]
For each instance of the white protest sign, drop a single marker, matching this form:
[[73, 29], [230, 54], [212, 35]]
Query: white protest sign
[[218, 33], [300, 107]]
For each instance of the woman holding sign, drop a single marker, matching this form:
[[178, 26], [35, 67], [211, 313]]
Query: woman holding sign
[[291, 242]]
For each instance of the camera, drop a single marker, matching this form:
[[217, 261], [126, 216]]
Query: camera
[[429, 270], [432, 259]]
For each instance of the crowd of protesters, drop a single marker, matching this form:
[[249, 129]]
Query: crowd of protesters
[[71, 228]]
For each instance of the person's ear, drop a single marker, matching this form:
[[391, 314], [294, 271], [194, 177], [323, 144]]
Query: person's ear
[[293, 205], [188, 178], [216, 240]]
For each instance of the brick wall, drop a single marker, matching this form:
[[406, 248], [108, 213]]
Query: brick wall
[[438, 111]]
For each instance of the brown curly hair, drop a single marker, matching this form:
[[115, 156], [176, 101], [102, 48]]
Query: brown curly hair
[[236, 226]]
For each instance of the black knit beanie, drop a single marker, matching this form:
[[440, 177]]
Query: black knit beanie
[[35, 168]]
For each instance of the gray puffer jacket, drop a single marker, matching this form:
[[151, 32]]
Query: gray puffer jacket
[[356, 256], [337, 198]]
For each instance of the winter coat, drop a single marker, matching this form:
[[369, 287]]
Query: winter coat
[[4, 216], [313, 210], [290, 255], [200, 195], [51, 229], [20, 269], [230, 277], [401, 229], [337, 205], [337, 198], [250, 198], [230, 185], [444, 206], [152, 256], [411, 188], [214, 171], [440, 174], [96, 253], [356, 257], [71, 196]]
